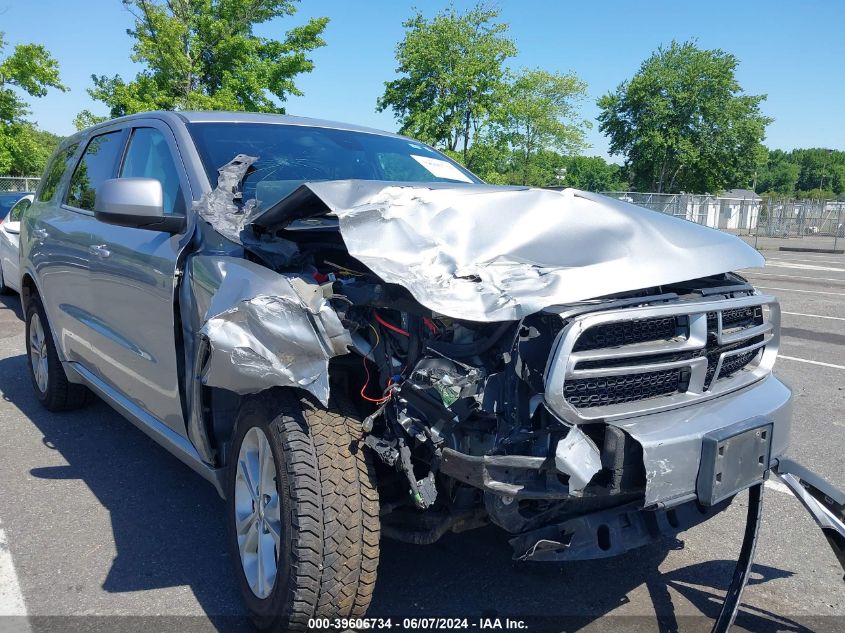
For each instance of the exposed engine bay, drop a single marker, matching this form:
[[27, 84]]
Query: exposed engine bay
[[455, 408]]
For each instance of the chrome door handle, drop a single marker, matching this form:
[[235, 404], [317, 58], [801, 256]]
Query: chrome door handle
[[99, 250]]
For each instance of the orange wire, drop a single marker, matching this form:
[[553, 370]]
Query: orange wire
[[367, 371]]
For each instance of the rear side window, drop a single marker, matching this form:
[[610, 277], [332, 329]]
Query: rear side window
[[97, 164], [149, 156], [54, 172]]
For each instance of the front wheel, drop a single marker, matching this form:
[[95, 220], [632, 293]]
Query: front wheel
[[303, 515]]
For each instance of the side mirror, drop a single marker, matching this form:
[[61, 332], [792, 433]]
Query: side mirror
[[14, 228], [136, 203]]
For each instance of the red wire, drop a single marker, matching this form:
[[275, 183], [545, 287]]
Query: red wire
[[365, 396], [430, 325], [390, 326]]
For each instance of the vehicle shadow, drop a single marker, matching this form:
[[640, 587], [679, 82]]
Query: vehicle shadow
[[168, 531]]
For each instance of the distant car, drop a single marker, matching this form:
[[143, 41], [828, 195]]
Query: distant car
[[12, 206]]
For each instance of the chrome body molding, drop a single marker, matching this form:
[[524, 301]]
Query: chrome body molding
[[690, 342]]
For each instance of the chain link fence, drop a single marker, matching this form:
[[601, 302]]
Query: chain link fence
[[18, 183], [766, 223]]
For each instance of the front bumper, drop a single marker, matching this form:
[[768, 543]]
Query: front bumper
[[672, 440]]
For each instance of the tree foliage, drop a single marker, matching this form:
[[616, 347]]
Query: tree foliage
[[539, 114], [813, 173], [683, 123], [204, 55], [454, 91], [452, 76], [32, 70]]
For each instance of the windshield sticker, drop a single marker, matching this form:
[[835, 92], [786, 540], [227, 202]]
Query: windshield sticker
[[441, 168]]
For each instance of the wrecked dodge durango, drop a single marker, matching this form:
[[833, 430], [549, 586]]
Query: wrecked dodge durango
[[351, 336]]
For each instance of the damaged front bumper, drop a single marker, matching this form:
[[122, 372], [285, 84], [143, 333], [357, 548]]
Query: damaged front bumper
[[680, 482]]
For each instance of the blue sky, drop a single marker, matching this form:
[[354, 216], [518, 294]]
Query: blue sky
[[792, 51]]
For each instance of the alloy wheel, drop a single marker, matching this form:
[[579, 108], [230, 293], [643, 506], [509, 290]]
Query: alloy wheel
[[38, 352], [257, 512]]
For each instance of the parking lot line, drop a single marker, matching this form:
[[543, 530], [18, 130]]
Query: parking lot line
[[780, 263], [750, 274], [815, 316], [811, 292], [11, 597], [811, 362]]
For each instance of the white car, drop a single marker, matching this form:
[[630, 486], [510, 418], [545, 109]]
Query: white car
[[10, 228]]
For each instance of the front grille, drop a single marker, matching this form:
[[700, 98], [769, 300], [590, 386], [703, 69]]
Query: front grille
[[632, 359], [608, 390], [738, 362], [627, 333], [735, 363]]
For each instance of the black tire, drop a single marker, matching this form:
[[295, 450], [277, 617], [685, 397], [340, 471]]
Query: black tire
[[60, 394], [329, 511]]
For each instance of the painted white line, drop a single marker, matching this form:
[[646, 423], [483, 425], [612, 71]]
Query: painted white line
[[825, 259], [815, 316], [811, 260], [765, 274], [810, 362], [779, 263], [809, 292], [777, 486], [11, 598]]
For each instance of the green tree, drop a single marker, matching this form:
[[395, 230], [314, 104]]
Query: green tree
[[203, 55], [31, 69], [819, 169], [452, 76], [683, 123], [778, 174], [539, 115], [593, 173]]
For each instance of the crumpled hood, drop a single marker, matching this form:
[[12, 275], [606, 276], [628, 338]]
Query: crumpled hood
[[486, 253]]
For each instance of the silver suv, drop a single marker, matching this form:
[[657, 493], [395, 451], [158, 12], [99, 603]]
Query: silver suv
[[349, 335]]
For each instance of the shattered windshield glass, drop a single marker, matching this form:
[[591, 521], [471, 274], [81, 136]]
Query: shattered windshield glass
[[289, 155]]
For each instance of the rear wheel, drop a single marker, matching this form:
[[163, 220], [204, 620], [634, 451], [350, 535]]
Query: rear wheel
[[51, 385], [302, 511]]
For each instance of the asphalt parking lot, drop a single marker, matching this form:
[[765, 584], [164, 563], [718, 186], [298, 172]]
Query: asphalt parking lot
[[100, 521]]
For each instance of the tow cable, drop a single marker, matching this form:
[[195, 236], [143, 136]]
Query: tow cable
[[825, 504]]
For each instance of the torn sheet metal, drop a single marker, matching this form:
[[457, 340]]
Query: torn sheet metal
[[486, 253], [576, 455], [218, 207], [264, 329]]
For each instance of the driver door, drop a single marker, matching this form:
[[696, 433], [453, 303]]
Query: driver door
[[133, 280]]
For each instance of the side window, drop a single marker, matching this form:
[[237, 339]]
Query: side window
[[149, 156], [97, 164], [18, 210], [53, 173]]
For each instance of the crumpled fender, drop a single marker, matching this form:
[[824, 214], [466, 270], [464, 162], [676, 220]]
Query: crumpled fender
[[264, 329]]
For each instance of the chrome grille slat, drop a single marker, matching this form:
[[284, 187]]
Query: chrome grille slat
[[696, 353]]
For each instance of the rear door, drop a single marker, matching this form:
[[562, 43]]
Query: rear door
[[59, 239], [133, 276]]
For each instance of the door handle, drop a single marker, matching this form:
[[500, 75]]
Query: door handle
[[99, 250], [40, 233]]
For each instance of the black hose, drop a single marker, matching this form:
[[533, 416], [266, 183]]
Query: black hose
[[466, 350]]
